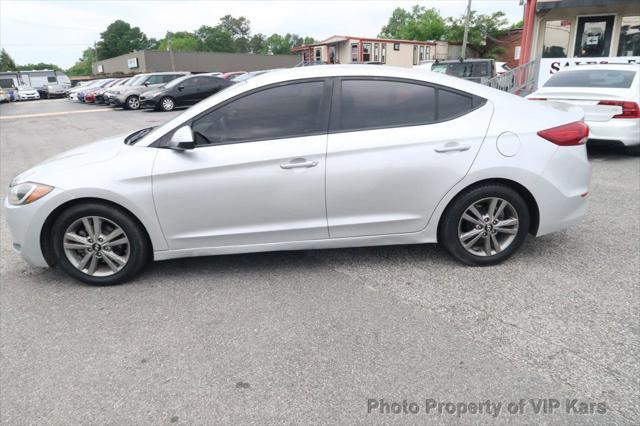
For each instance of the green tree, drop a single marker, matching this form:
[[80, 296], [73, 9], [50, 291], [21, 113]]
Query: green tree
[[182, 41], [39, 66], [83, 65], [282, 45], [239, 29], [481, 28], [120, 38], [419, 24], [215, 39], [258, 44], [6, 61]]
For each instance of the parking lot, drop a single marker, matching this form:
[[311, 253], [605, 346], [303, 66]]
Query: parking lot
[[311, 336]]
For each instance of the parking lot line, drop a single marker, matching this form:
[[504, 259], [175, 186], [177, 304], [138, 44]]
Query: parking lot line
[[50, 114]]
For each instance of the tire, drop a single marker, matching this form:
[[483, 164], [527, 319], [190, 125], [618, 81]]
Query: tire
[[167, 104], [132, 102], [503, 240], [113, 264], [633, 150]]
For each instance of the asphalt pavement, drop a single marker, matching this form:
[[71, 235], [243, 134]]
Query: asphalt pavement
[[327, 336]]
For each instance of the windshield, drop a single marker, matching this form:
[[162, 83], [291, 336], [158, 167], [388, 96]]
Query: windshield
[[463, 69], [613, 79], [134, 80]]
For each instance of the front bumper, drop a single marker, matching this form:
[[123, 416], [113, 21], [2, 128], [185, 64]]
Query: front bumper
[[148, 102], [624, 130], [117, 100], [26, 222]]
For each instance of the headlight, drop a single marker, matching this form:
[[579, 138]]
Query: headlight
[[27, 193]]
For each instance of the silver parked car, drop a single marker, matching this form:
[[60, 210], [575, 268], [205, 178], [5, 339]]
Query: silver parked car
[[308, 158]]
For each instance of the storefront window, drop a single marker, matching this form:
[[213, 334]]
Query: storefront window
[[593, 37], [366, 52], [629, 44], [556, 39], [354, 52]]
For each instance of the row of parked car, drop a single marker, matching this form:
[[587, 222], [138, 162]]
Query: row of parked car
[[162, 91]]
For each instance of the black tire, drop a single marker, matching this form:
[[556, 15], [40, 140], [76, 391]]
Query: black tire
[[450, 224], [139, 247], [170, 106], [633, 150], [132, 102]]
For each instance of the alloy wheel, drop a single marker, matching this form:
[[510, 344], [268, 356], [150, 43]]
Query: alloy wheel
[[96, 246], [133, 102], [488, 226], [167, 104]]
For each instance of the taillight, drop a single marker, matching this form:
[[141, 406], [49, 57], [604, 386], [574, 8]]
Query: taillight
[[537, 99], [570, 134], [629, 109]]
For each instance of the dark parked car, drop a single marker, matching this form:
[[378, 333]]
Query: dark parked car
[[183, 91]]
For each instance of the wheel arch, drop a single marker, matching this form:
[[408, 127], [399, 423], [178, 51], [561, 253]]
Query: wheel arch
[[45, 232], [532, 205]]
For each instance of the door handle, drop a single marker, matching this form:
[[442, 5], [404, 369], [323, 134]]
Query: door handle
[[451, 147], [298, 163]]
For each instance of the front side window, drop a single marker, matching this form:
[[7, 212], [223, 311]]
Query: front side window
[[278, 112], [629, 43], [556, 39], [51, 80]]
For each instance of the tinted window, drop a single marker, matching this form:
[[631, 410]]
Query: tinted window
[[168, 77], [368, 104], [274, 113], [463, 69], [592, 78], [452, 104]]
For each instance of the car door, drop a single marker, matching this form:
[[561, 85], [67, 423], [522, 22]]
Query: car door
[[256, 175], [394, 150], [187, 91], [207, 86]]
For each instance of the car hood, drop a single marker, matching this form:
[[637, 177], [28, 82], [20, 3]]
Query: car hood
[[82, 156]]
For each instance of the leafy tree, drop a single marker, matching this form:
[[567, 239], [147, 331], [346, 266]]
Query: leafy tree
[[39, 66], [481, 28], [258, 44], [282, 45], [215, 39], [240, 30], [83, 65], [6, 61], [419, 24], [120, 38], [182, 41], [517, 25]]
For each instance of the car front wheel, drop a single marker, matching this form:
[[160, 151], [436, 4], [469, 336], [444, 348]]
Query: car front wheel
[[167, 104], [99, 244], [485, 225], [133, 102]]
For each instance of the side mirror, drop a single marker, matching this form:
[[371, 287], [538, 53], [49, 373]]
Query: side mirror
[[181, 88], [146, 83], [182, 139]]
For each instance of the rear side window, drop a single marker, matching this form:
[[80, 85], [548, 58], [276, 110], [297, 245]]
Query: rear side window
[[375, 104], [464, 69], [613, 79], [367, 104], [278, 112]]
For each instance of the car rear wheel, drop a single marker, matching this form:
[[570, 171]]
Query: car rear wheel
[[99, 244], [485, 225], [132, 102], [167, 104]]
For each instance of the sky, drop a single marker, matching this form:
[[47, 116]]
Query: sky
[[58, 31]]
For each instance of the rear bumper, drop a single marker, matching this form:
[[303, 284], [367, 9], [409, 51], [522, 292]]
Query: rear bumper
[[623, 130]]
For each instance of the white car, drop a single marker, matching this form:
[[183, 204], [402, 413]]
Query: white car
[[609, 95], [26, 93], [309, 158]]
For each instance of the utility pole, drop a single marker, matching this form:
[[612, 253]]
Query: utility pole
[[173, 63], [466, 30]]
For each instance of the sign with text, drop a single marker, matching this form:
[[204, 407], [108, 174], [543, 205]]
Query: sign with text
[[132, 62], [550, 66]]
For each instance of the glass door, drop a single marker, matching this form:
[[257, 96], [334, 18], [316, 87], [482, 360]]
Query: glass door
[[593, 36]]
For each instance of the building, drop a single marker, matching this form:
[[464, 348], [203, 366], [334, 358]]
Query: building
[[350, 50], [511, 41], [561, 33], [143, 61], [37, 79]]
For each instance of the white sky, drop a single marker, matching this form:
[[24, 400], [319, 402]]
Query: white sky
[[58, 31]]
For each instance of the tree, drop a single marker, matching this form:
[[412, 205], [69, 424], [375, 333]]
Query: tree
[[120, 38], [182, 41], [83, 65], [239, 29], [258, 44], [481, 28], [282, 45], [6, 61], [419, 24], [39, 66], [215, 39]]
